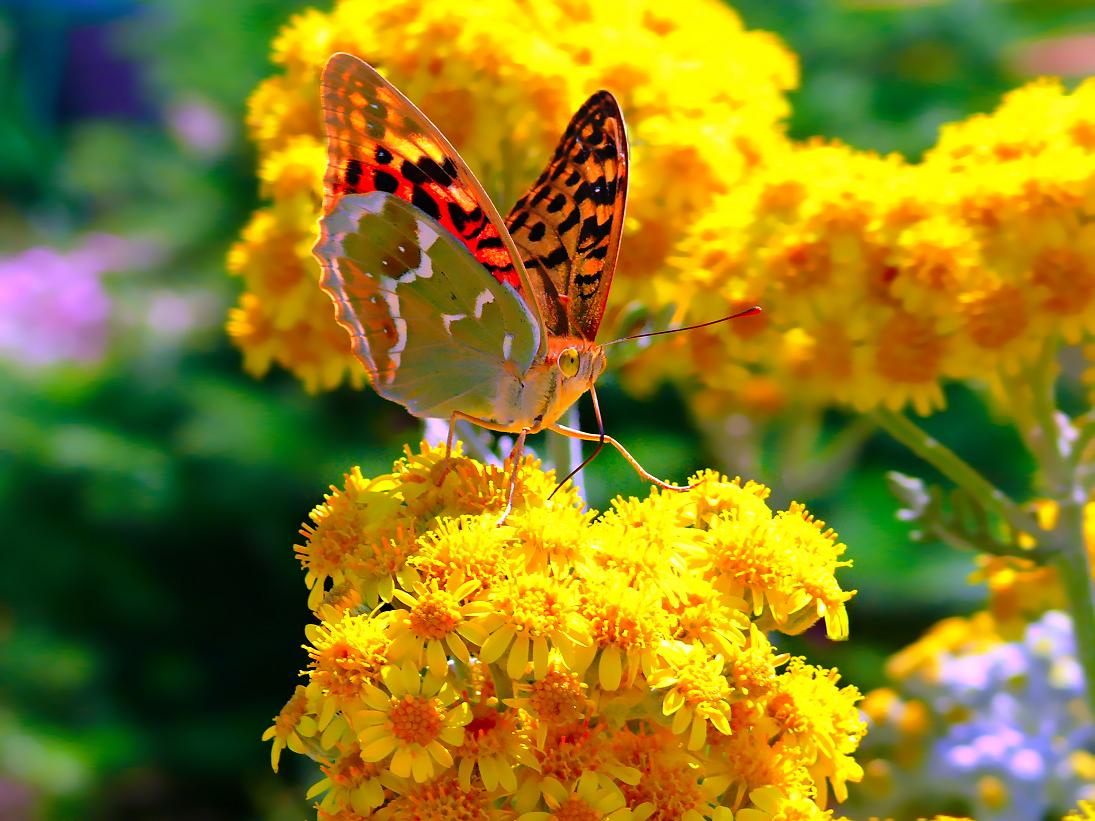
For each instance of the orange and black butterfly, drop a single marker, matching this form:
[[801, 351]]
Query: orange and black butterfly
[[454, 311]]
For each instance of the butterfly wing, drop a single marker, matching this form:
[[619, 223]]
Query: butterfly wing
[[378, 140], [567, 226], [436, 331]]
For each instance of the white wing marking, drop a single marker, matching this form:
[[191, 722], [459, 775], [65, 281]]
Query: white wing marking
[[481, 302], [448, 319]]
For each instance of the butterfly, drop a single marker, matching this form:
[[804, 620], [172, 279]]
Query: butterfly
[[453, 311]]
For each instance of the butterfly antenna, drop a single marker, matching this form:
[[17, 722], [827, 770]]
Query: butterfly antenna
[[747, 312], [596, 450]]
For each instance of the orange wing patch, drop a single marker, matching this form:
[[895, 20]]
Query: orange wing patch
[[379, 141]]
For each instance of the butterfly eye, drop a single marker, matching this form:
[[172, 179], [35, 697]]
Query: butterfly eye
[[568, 362]]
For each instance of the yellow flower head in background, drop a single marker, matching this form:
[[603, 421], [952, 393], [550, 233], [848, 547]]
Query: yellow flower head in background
[[538, 668], [882, 279], [703, 99]]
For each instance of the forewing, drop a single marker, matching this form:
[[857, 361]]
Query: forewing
[[434, 329], [378, 140], [567, 227]]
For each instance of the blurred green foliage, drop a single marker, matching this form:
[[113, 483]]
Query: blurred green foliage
[[150, 609]]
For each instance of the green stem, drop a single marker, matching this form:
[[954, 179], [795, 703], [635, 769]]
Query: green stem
[[947, 462], [1062, 473], [1074, 569]]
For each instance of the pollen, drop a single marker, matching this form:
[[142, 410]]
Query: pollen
[[576, 809], [417, 720], [435, 615], [558, 698]]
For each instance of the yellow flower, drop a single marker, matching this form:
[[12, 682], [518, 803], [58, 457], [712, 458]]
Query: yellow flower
[[1085, 811], [697, 693], [415, 720], [704, 615], [436, 620], [588, 798], [350, 785], [783, 566], [359, 534], [556, 700], [291, 726], [538, 668], [501, 80], [769, 804], [627, 627], [569, 753], [443, 799], [347, 656], [671, 785], [752, 756], [530, 614], [823, 721], [496, 745]]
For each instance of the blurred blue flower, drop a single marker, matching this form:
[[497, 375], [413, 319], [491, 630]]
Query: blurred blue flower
[[1010, 736]]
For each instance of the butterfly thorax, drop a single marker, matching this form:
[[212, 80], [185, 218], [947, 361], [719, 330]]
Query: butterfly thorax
[[536, 399]]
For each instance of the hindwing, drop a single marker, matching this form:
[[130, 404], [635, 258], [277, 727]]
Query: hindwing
[[434, 329]]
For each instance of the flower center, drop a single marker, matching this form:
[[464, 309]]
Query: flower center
[[417, 720]]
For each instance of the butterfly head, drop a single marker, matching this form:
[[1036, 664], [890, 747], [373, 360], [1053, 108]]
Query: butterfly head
[[579, 366], [569, 370]]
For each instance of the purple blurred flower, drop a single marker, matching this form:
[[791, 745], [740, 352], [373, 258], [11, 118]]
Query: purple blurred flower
[[199, 126], [52, 304]]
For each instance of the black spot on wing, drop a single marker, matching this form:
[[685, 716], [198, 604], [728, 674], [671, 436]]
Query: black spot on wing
[[437, 173], [383, 181], [602, 191], [413, 173], [587, 284], [383, 155], [555, 258], [570, 221], [592, 233], [539, 196], [422, 200], [352, 174], [457, 216], [606, 152], [536, 232], [557, 203], [518, 221]]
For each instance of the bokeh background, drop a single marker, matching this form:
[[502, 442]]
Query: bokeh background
[[151, 492]]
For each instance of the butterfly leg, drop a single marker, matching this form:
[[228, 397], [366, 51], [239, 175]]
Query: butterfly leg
[[514, 456], [601, 438], [513, 459], [631, 460], [446, 465]]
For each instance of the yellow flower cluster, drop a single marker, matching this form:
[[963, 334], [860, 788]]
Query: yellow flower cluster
[[702, 96], [562, 665], [882, 279]]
